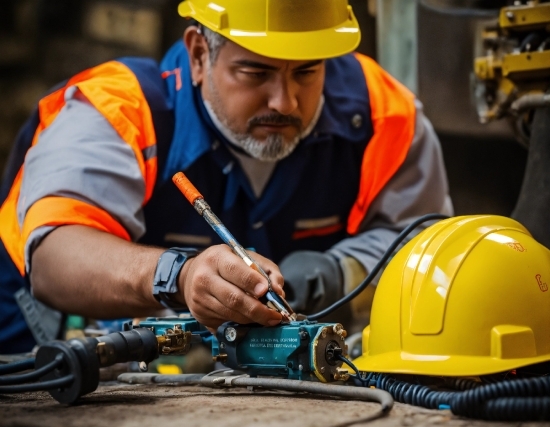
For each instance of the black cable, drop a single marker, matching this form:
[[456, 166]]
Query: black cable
[[356, 377], [377, 268], [46, 385], [34, 375], [525, 399], [18, 366], [518, 399], [403, 392], [414, 394], [462, 384], [517, 409], [349, 362]]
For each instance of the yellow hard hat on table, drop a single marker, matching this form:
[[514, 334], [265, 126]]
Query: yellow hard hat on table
[[468, 296], [284, 29]]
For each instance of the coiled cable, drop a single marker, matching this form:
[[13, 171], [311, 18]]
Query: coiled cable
[[414, 394], [526, 399]]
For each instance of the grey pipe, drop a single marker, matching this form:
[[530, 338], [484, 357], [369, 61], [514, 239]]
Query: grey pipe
[[527, 102], [222, 378], [150, 378], [360, 393]]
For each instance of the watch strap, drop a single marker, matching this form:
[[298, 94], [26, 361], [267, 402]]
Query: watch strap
[[165, 281]]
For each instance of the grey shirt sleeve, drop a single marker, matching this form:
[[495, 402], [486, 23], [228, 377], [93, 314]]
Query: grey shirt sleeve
[[81, 156], [419, 187]]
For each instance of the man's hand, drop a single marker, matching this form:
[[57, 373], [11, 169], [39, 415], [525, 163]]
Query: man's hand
[[218, 286]]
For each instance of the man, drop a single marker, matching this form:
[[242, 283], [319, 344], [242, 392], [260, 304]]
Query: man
[[304, 151]]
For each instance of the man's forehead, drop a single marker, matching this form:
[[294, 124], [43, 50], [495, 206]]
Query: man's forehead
[[232, 53]]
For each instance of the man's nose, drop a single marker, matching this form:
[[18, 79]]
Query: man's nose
[[283, 98]]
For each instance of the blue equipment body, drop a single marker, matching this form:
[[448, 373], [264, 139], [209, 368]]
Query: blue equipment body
[[163, 325], [175, 335], [301, 350]]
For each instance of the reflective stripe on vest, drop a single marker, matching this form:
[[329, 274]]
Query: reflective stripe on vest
[[116, 93], [393, 116]]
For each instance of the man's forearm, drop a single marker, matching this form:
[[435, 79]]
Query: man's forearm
[[81, 270]]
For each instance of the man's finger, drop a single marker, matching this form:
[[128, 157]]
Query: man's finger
[[216, 313], [272, 270], [234, 270], [233, 301]]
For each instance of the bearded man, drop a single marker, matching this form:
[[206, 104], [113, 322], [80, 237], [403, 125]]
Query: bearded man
[[310, 154]]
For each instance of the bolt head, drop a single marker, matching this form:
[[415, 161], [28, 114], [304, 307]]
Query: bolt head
[[230, 334]]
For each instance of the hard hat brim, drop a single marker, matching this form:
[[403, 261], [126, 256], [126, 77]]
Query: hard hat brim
[[438, 365], [305, 46]]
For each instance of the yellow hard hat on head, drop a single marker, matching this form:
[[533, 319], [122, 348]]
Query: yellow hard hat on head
[[467, 296], [284, 29]]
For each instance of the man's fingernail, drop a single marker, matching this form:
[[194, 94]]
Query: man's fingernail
[[273, 322], [260, 289]]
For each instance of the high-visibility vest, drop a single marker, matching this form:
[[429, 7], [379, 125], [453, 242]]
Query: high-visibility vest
[[349, 172]]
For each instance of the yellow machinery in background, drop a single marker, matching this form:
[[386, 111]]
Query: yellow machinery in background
[[513, 82], [514, 76]]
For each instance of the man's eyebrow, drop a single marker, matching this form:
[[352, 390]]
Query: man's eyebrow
[[262, 66], [254, 64], [308, 65]]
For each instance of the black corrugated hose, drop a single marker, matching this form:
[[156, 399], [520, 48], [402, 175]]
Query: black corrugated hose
[[513, 400], [525, 399]]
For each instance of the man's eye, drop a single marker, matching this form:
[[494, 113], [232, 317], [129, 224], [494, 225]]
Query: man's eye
[[305, 75], [255, 74]]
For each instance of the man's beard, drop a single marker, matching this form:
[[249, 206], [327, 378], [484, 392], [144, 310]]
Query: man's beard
[[273, 148]]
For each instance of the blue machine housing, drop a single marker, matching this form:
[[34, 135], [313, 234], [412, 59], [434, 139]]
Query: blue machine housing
[[301, 350], [164, 325]]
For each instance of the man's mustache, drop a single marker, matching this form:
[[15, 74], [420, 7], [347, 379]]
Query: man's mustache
[[275, 119]]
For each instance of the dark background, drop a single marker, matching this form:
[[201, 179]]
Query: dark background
[[45, 41]]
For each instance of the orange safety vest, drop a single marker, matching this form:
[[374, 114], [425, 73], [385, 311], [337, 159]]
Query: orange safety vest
[[113, 89], [393, 115], [115, 92]]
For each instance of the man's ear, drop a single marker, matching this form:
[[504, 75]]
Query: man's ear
[[197, 49]]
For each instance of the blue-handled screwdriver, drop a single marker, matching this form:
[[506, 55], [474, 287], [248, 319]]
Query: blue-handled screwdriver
[[271, 298]]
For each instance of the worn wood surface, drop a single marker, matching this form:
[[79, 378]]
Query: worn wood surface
[[116, 404]]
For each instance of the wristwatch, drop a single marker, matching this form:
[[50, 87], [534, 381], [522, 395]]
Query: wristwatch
[[165, 281]]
